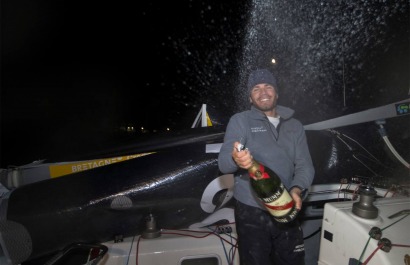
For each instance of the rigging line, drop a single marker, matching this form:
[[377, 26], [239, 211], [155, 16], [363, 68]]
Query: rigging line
[[314, 233], [395, 222], [136, 251], [338, 193], [373, 161], [343, 141], [206, 234], [355, 141], [371, 255], [364, 249], [392, 189], [400, 245], [343, 74], [357, 188], [346, 190], [351, 148], [368, 240], [129, 253], [354, 156], [364, 165], [227, 255]]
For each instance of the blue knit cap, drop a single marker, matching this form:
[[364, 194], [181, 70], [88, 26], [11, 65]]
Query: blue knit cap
[[261, 76]]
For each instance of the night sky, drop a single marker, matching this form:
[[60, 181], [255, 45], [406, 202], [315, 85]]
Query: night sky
[[74, 72]]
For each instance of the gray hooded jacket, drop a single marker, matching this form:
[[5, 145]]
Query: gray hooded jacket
[[283, 149]]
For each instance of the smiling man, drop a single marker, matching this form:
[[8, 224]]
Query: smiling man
[[278, 141]]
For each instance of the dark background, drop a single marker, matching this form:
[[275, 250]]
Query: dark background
[[76, 73]]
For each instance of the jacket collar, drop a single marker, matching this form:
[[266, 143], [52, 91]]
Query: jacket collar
[[284, 112]]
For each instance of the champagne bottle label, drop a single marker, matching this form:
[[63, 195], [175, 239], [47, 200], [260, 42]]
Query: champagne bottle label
[[288, 217], [280, 206]]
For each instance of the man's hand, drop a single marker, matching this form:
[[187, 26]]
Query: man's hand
[[296, 192], [242, 158]]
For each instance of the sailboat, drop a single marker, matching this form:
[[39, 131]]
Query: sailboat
[[164, 201]]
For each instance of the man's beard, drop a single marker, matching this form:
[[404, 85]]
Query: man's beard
[[264, 108]]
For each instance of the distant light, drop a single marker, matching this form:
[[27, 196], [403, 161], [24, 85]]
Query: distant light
[[168, 129], [273, 61]]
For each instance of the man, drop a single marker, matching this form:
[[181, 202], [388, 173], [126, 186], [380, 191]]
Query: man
[[278, 141]]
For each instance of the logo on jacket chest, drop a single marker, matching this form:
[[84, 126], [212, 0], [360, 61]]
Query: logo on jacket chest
[[258, 129]]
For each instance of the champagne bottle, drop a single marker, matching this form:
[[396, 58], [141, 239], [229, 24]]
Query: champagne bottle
[[271, 191]]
